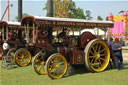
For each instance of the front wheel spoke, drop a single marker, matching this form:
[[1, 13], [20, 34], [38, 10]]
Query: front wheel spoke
[[56, 71], [102, 54], [53, 70], [60, 63], [43, 68], [94, 49], [91, 52], [40, 68], [59, 59], [92, 60], [102, 50], [56, 59], [102, 59], [37, 66], [95, 61], [99, 47], [91, 56], [23, 62], [96, 46], [26, 60], [18, 58], [99, 62]]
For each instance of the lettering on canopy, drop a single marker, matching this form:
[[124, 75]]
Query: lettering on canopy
[[73, 24]]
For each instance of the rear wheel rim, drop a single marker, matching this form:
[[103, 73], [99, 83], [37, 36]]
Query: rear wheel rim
[[97, 56], [56, 66]]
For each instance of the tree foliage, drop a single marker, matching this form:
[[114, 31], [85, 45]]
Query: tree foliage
[[99, 18], [23, 15], [122, 11], [66, 9], [88, 15]]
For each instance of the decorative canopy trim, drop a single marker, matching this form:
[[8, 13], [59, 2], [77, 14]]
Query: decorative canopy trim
[[64, 22]]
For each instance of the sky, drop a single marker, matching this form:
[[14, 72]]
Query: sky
[[97, 7]]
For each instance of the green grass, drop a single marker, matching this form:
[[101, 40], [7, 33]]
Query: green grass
[[27, 76]]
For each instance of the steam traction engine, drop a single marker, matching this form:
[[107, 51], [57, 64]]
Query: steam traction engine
[[55, 46], [1, 41], [14, 34]]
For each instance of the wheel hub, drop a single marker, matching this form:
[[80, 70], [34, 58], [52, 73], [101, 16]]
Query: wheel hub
[[97, 55], [42, 63]]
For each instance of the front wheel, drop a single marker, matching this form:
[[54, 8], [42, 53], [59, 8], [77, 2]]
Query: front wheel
[[38, 63], [56, 66], [11, 53], [22, 57], [97, 55]]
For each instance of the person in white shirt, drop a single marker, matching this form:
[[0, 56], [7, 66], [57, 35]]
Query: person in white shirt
[[6, 47]]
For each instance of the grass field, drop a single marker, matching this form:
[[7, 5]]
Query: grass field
[[79, 76]]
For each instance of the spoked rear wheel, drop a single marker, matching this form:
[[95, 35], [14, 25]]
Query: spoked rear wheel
[[22, 57], [97, 55], [11, 53], [1, 52], [38, 63], [56, 66]]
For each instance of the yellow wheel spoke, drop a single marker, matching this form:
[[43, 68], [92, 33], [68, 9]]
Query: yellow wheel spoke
[[94, 50], [60, 63], [102, 54], [99, 47], [99, 62], [102, 59], [59, 59], [96, 46], [54, 72], [92, 60], [95, 64], [91, 52], [95, 61], [43, 69], [55, 60], [23, 61], [40, 68], [102, 50], [26, 60], [91, 56]]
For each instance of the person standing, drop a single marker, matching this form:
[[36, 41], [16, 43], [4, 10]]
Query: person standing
[[6, 47], [117, 49], [112, 60]]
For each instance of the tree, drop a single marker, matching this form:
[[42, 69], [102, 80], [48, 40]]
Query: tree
[[106, 18], [122, 11], [64, 8], [88, 15], [99, 18], [25, 14]]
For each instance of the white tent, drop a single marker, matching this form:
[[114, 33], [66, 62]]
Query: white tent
[[94, 31]]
